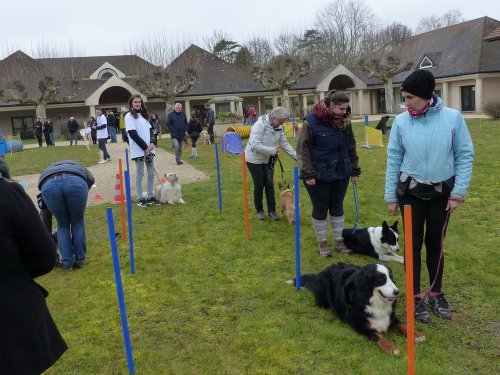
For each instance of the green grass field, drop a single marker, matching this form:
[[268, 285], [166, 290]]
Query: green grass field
[[205, 300]]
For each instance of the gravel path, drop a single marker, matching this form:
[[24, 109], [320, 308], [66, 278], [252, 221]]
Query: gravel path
[[105, 174]]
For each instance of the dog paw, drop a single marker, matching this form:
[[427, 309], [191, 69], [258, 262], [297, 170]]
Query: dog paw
[[419, 337], [181, 201], [395, 352], [170, 202]]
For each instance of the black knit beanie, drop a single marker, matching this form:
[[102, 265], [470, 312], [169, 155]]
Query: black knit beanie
[[420, 83]]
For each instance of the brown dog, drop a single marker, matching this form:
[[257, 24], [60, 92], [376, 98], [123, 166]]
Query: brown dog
[[287, 202]]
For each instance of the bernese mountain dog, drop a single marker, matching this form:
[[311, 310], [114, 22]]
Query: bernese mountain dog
[[363, 297]]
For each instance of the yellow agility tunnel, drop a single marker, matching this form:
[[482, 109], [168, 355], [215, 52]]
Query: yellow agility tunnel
[[244, 131]]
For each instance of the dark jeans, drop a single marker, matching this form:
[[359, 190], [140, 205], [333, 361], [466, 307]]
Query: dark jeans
[[262, 176], [47, 139], [428, 220], [102, 147], [327, 197], [194, 140]]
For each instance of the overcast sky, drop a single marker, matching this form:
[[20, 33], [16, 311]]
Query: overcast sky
[[108, 27]]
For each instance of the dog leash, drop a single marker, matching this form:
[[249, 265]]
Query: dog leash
[[356, 205], [281, 167]]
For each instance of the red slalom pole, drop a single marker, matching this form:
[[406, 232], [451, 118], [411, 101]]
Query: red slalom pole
[[410, 321], [245, 194]]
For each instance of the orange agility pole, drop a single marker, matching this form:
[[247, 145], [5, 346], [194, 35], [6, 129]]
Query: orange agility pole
[[245, 194], [122, 203], [410, 321]]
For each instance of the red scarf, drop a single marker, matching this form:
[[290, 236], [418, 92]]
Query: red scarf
[[324, 114], [423, 110]]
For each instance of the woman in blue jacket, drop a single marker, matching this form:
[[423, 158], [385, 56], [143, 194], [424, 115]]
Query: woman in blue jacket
[[429, 167]]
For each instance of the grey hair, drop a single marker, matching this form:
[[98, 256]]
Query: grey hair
[[280, 113]]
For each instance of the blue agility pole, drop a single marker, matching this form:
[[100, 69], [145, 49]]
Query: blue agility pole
[[119, 291], [126, 158], [218, 176], [129, 219], [297, 227]]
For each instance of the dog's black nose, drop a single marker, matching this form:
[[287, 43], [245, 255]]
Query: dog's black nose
[[396, 292]]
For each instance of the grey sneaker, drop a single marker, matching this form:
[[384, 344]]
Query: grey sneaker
[[341, 247], [272, 215], [421, 313], [261, 215], [141, 202], [79, 263], [440, 306], [324, 250]]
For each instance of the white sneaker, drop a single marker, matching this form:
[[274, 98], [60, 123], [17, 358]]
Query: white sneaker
[[108, 160], [101, 161]]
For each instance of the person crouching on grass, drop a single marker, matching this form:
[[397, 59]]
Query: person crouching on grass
[[141, 142]]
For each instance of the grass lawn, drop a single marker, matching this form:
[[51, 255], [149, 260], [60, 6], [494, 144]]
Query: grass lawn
[[205, 300]]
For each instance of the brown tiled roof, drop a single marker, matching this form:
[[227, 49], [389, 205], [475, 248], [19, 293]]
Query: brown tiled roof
[[83, 67], [494, 35], [461, 49], [214, 75]]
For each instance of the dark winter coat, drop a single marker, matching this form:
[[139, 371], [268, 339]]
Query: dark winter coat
[[72, 126], [194, 127], [177, 124], [30, 342]]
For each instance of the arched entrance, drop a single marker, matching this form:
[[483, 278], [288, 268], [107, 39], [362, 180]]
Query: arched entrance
[[114, 95], [341, 82]]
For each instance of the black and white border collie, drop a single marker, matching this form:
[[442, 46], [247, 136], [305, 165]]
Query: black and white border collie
[[363, 297], [377, 242]]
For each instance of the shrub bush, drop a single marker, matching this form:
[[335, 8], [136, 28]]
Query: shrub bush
[[492, 109], [225, 115]]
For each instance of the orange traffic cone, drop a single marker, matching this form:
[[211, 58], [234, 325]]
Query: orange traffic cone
[[118, 195]]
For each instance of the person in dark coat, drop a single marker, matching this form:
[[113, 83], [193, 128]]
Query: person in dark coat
[[177, 126], [30, 341], [73, 131], [194, 130], [48, 129], [39, 131]]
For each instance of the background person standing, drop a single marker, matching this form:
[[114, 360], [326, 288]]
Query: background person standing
[[73, 131], [210, 121], [39, 131], [102, 135], [177, 125]]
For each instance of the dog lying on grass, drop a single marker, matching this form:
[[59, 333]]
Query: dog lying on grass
[[363, 297], [287, 202], [377, 242], [170, 190]]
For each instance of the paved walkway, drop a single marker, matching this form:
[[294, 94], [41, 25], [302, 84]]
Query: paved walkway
[[105, 174]]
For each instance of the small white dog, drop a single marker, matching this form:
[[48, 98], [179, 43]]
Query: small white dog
[[170, 190], [205, 137]]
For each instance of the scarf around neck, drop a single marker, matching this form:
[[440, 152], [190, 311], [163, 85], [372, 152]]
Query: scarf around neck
[[324, 114]]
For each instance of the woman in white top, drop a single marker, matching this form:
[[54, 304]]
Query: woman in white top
[[142, 147]]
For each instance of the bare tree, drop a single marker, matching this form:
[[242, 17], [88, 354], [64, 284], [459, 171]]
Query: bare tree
[[385, 64], [390, 35], [172, 81], [158, 49], [286, 43], [29, 81], [243, 59], [281, 73], [434, 22], [343, 27], [260, 49]]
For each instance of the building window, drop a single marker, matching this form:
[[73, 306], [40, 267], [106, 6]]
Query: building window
[[468, 98], [23, 126], [426, 63], [106, 73]]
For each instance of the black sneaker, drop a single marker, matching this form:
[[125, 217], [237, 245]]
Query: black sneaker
[[179, 162], [440, 306], [79, 263], [272, 215], [152, 201], [421, 313], [142, 202]]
